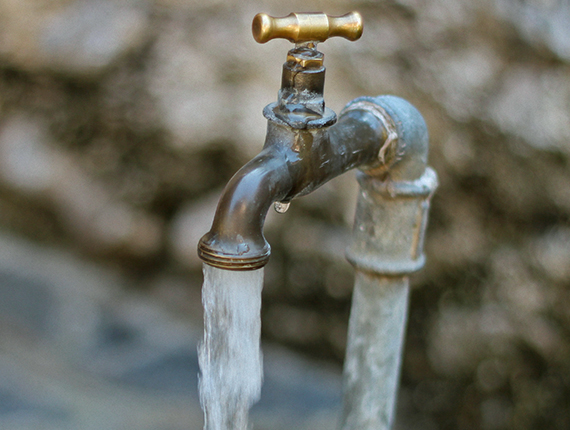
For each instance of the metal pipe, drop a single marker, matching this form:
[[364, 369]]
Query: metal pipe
[[374, 350], [387, 246]]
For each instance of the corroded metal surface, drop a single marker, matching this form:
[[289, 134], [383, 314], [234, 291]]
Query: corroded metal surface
[[305, 147], [293, 163], [390, 223], [374, 350], [387, 245]]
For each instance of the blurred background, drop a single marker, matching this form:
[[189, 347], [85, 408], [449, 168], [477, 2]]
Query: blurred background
[[120, 123]]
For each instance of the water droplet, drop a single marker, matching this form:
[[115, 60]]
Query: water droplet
[[281, 207]]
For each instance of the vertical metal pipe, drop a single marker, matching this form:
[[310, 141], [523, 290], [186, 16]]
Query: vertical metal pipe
[[375, 340], [387, 245]]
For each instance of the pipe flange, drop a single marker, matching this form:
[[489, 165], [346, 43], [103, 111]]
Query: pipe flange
[[401, 208], [421, 187], [371, 264]]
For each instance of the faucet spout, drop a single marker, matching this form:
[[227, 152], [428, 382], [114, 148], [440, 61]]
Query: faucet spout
[[293, 163], [236, 240]]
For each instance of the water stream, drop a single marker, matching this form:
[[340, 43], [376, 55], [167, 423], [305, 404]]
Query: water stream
[[230, 357]]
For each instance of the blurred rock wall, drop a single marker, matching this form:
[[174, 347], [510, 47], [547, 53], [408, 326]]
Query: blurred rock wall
[[120, 122]]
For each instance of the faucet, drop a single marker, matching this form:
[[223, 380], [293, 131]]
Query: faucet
[[306, 145]]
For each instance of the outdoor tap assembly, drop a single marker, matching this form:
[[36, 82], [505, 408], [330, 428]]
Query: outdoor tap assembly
[[306, 145]]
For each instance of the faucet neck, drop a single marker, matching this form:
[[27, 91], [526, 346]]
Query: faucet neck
[[303, 81], [301, 101]]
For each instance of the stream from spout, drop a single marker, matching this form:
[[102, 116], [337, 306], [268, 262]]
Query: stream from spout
[[231, 364]]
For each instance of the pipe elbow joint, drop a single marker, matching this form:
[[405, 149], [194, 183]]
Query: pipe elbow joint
[[403, 155]]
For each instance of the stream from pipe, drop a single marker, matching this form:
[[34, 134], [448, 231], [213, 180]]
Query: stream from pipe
[[230, 358]]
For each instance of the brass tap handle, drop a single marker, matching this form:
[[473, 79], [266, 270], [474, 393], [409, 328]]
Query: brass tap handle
[[306, 27]]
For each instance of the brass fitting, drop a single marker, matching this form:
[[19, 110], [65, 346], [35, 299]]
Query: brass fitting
[[305, 58], [307, 27]]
